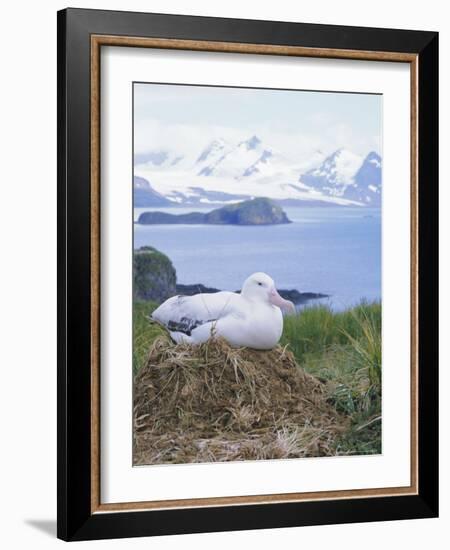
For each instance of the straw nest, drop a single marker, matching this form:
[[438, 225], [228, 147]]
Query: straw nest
[[211, 403]]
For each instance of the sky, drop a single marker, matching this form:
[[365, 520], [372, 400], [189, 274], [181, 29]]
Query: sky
[[187, 118]]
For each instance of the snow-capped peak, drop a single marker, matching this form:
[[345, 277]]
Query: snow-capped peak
[[335, 173], [211, 150], [241, 160], [228, 171], [251, 143], [373, 158], [342, 165]]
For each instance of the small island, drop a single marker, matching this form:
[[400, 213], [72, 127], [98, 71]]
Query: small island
[[258, 211]]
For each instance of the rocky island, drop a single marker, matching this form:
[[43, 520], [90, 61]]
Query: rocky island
[[259, 211]]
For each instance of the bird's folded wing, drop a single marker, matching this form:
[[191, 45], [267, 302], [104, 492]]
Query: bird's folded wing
[[185, 313]]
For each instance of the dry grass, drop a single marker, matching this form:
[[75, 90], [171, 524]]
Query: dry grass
[[212, 403]]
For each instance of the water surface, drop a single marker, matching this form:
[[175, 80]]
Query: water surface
[[331, 250]]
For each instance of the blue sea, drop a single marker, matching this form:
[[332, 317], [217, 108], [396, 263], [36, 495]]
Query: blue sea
[[331, 250]]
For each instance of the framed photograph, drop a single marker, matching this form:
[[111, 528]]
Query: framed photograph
[[247, 274]]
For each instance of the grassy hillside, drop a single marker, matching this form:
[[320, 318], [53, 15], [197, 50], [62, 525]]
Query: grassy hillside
[[143, 332], [342, 349]]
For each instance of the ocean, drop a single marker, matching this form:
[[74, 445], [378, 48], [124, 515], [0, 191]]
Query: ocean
[[329, 250]]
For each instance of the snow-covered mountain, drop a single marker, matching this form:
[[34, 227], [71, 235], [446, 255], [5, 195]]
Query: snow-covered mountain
[[145, 195], [345, 175], [224, 172], [367, 188]]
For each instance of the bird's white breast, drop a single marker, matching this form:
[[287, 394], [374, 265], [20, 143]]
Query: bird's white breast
[[260, 329]]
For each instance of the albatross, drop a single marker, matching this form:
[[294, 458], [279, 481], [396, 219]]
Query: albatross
[[251, 319]]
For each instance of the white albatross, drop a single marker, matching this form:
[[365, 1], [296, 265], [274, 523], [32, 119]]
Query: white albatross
[[251, 319]]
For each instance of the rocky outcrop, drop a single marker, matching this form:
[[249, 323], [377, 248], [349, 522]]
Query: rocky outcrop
[[190, 290], [293, 295], [154, 277]]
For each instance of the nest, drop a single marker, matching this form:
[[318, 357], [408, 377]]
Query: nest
[[211, 403]]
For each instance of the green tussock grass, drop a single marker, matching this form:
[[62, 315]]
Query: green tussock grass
[[343, 349], [144, 332]]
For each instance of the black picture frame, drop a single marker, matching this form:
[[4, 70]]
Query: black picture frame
[[76, 521]]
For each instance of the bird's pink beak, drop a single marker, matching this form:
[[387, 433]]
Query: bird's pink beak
[[277, 300]]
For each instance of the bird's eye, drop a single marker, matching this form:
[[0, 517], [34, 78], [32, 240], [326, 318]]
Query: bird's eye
[[260, 284]]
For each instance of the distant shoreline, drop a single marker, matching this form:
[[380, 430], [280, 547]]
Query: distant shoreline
[[298, 298]]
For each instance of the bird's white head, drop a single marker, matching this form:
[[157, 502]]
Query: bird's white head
[[261, 287]]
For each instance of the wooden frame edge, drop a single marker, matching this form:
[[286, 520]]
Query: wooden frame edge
[[248, 48], [261, 49], [353, 494]]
